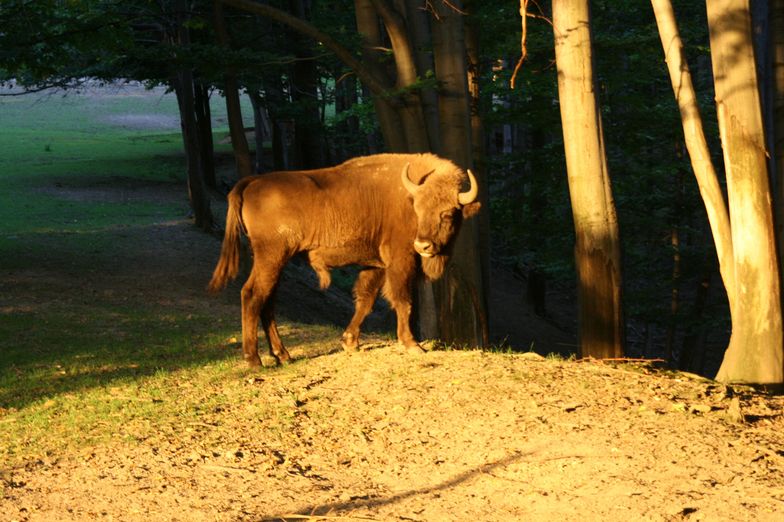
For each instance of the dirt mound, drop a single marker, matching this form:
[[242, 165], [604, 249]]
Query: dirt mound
[[446, 436]]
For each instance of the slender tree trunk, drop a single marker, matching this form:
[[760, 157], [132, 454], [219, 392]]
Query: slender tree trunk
[[204, 124], [239, 141], [597, 249], [259, 129], [755, 353]]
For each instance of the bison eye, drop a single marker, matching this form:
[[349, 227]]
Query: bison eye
[[447, 215]]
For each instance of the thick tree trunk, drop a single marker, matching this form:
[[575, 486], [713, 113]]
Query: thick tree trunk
[[461, 294], [755, 353], [184, 89], [597, 250], [478, 146], [239, 142], [777, 35]]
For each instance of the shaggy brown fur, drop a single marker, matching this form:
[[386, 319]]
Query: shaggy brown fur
[[360, 212]]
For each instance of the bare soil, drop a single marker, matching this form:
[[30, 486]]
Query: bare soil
[[383, 435]]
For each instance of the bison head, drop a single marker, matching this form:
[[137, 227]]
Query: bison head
[[440, 208]]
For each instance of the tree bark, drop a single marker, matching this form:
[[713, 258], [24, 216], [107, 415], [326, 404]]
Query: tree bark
[[755, 353], [204, 124], [696, 144], [777, 34], [259, 129], [597, 249], [461, 293], [478, 145], [388, 118], [184, 89], [231, 91]]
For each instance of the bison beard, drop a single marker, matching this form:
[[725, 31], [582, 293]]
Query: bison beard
[[380, 212]]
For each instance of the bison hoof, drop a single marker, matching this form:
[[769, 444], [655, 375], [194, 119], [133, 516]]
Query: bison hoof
[[268, 361], [414, 349], [349, 342], [253, 362]]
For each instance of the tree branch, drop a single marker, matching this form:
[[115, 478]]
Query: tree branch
[[307, 29]]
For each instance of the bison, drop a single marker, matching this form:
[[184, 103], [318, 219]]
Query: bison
[[379, 212]]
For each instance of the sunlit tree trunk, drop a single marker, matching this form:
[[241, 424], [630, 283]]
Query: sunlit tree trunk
[[597, 250], [388, 119], [410, 109], [743, 234], [755, 353]]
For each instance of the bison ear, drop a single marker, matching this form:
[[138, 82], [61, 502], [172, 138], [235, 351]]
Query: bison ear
[[471, 209]]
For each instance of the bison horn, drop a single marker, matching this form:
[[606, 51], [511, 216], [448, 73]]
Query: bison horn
[[464, 198], [411, 187]]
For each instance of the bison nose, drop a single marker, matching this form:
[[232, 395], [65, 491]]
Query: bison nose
[[424, 247]]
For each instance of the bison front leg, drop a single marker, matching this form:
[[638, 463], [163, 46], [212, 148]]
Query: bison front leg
[[398, 291], [366, 289]]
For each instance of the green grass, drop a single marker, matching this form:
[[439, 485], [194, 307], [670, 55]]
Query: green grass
[[80, 368]]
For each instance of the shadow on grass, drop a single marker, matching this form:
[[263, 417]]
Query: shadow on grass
[[69, 350]]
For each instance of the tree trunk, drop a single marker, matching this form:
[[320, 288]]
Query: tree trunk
[[259, 128], [308, 138], [410, 111], [239, 143], [204, 124], [460, 294], [184, 88], [478, 145], [418, 24], [388, 118], [777, 35], [755, 353], [597, 250]]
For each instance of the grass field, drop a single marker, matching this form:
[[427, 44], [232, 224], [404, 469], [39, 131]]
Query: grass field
[[95, 331]]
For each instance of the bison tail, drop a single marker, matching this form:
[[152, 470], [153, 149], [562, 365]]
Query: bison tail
[[229, 262]]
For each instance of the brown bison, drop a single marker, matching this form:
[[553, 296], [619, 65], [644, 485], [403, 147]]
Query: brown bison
[[380, 212]]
